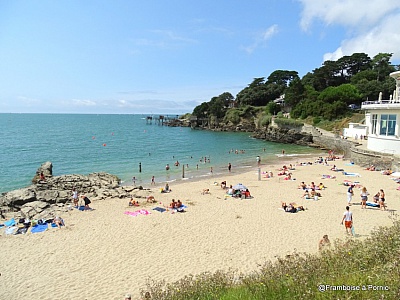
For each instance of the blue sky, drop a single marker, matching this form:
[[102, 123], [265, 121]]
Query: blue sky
[[169, 56]]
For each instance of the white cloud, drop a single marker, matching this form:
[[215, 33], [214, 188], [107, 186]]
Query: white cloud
[[384, 38], [347, 12], [261, 38], [372, 26]]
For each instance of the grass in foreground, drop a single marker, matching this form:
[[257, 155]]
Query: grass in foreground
[[372, 266]]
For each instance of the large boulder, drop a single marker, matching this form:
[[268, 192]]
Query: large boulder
[[47, 170], [18, 197]]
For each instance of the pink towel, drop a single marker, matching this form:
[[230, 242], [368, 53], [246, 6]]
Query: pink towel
[[137, 212]]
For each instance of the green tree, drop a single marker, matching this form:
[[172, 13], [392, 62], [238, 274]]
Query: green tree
[[254, 94], [381, 65], [273, 108], [201, 110], [282, 77], [346, 93], [295, 92]]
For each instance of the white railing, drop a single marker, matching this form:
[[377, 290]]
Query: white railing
[[381, 102]]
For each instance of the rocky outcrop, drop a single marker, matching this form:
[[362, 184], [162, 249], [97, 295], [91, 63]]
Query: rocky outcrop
[[46, 169], [45, 199], [284, 135]]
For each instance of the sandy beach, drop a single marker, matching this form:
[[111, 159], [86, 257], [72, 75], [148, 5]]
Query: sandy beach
[[105, 253]]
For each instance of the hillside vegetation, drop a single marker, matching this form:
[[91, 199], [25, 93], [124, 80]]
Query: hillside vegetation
[[323, 94]]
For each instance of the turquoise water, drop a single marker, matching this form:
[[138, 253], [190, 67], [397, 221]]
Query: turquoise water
[[82, 144]]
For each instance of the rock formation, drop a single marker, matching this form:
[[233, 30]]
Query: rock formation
[[44, 199], [283, 135]]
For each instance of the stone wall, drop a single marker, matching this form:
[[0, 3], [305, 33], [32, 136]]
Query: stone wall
[[366, 158], [337, 144]]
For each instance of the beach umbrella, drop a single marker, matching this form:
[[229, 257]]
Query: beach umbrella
[[240, 186]]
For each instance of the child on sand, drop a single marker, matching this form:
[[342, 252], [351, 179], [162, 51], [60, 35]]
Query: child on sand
[[324, 243]]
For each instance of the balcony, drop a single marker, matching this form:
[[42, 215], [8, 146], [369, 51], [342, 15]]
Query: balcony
[[382, 104]]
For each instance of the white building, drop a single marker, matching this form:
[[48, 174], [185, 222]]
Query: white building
[[355, 130], [381, 118]]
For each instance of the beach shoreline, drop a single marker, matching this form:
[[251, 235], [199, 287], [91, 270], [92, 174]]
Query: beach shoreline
[[105, 253]]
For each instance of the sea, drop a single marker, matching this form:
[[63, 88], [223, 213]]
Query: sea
[[126, 145]]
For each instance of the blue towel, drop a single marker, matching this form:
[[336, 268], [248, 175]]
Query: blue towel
[[160, 209], [10, 222], [39, 228], [11, 230]]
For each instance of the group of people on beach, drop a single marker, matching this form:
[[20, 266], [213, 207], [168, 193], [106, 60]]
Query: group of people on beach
[[75, 200], [378, 198]]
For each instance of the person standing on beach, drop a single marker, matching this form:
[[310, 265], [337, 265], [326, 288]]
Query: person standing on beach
[[258, 160], [153, 180], [75, 197], [382, 200], [87, 202], [350, 194], [364, 197], [348, 220], [229, 167]]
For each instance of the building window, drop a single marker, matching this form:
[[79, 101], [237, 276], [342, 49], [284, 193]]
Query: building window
[[374, 122], [388, 124]]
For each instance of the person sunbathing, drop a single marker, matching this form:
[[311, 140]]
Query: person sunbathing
[[206, 191], [58, 221], [324, 243], [173, 204], [133, 202], [321, 186], [179, 206], [223, 185], [166, 189], [371, 168], [302, 186], [292, 207], [288, 177], [246, 194], [306, 195], [313, 193], [230, 190], [151, 199]]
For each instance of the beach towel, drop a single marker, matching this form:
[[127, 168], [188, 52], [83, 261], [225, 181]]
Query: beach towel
[[182, 208], [372, 204], [351, 174], [328, 177], [9, 222], [137, 212], [54, 225], [160, 209], [11, 230], [39, 228]]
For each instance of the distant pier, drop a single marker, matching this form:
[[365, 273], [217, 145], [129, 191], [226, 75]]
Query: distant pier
[[164, 120]]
